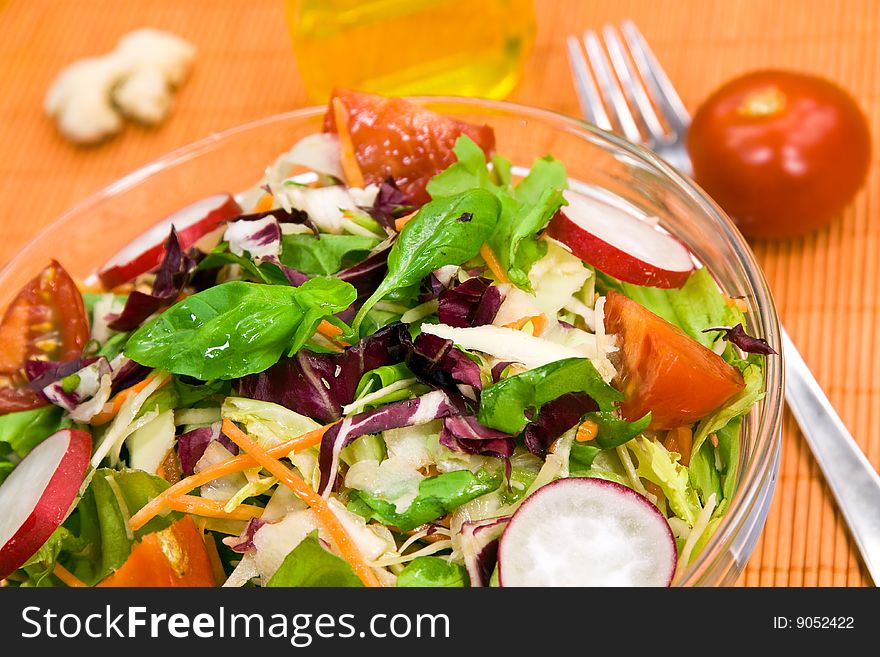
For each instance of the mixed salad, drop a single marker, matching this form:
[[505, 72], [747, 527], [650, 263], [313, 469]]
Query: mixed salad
[[393, 362]]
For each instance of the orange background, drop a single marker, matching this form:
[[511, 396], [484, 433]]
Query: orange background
[[826, 285]]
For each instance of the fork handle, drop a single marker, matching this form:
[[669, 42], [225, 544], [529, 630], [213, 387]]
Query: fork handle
[[851, 477]]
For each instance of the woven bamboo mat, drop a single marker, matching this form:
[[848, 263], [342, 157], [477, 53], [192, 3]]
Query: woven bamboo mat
[[826, 285]]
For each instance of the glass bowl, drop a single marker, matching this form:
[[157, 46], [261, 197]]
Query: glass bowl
[[600, 164]]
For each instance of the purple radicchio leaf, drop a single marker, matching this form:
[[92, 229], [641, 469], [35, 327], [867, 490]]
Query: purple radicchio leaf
[[436, 362], [41, 373], [738, 336], [554, 419], [463, 433], [366, 275], [319, 385], [479, 546], [261, 238], [173, 274], [472, 303], [282, 216], [191, 446], [88, 384], [245, 542], [126, 374], [409, 412], [498, 369], [390, 204]]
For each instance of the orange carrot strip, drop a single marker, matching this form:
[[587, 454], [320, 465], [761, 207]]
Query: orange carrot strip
[[400, 222], [350, 167], [587, 431], [118, 399], [538, 323], [199, 506], [331, 332], [265, 203], [68, 577], [307, 494], [236, 464], [493, 264]]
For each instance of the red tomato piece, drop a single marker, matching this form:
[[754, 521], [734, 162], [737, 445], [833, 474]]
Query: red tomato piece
[[173, 557], [781, 152], [663, 370], [394, 137], [47, 320]]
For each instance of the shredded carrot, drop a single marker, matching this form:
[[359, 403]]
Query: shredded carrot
[[119, 398], [331, 332], [493, 264], [68, 577], [350, 167], [265, 203], [538, 324], [236, 464], [307, 494], [587, 431], [214, 557], [400, 222], [199, 506]]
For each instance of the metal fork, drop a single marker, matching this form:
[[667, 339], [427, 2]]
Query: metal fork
[[623, 98]]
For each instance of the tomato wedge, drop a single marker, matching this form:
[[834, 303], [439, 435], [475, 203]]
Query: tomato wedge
[[46, 321], [394, 137], [173, 557], [663, 370]]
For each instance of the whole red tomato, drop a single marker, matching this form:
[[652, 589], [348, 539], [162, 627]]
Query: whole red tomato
[[781, 152]]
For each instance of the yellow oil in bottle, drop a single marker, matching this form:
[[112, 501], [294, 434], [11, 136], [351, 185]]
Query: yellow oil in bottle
[[409, 47]]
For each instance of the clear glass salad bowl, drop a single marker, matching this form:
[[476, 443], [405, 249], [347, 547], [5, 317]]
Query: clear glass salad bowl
[[600, 164]]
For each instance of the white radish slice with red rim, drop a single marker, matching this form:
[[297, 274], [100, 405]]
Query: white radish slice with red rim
[[620, 244], [36, 497], [145, 252], [586, 532]]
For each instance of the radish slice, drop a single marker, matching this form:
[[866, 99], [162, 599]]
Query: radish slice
[[619, 244], [36, 497], [586, 532], [145, 252]]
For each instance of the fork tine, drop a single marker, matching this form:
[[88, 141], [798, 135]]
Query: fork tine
[[609, 87], [661, 87], [588, 95], [632, 85]]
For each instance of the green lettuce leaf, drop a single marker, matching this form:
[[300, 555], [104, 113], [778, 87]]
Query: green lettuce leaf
[[309, 565], [21, 431], [437, 496], [662, 467], [433, 572]]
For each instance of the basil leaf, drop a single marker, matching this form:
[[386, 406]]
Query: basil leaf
[[433, 572], [446, 231], [525, 209], [614, 431], [310, 565], [437, 496], [503, 406], [537, 198], [326, 255], [236, 328]]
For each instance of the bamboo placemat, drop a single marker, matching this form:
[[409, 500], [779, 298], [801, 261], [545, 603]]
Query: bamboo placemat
[[826, 285]]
